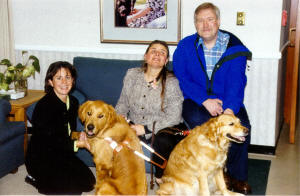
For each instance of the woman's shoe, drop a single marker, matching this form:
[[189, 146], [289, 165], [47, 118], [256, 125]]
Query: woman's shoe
[[30, 180]]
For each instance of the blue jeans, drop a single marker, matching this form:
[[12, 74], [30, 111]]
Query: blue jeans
[[237, 159]]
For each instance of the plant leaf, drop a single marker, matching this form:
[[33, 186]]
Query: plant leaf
[[1, 77], [5, 62], [24, 52], [19, 66], [4, 86], [35, 63], [8, 80]]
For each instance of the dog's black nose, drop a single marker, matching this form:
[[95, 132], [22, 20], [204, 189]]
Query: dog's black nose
[[90, 127]]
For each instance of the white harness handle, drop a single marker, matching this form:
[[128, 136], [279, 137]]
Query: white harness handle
[[118, 147]]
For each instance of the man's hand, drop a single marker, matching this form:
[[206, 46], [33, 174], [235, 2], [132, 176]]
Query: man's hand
[[82, 141], [213, 106], [228, 111], [139, 129]]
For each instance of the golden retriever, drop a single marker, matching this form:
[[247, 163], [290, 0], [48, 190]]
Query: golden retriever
[[196, 163], [119, 170]]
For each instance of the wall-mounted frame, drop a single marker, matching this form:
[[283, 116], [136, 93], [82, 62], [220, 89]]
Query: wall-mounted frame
[[169, 28]]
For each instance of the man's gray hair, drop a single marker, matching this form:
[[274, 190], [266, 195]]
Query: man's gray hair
[[205, 6]]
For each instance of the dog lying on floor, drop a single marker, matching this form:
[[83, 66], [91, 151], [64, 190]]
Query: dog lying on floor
[[196, 164], [118, 170]]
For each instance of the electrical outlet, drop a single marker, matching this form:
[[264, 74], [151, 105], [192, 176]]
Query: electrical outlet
[[240, 18]]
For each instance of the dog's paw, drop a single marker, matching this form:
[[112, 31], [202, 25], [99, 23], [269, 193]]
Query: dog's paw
[[164, 189]]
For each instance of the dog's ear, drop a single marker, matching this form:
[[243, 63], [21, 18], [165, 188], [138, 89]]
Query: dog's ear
[[82, 110], [213, 130], [112, 115]]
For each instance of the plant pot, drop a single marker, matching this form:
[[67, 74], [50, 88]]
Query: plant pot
[[21, 85]]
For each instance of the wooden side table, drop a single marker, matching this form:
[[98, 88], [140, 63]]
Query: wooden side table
[[19, 106]]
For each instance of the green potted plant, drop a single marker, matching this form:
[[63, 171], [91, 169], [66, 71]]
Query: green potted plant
[[19, 73]]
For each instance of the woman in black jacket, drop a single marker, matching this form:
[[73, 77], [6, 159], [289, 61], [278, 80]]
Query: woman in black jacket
[[50, 161]]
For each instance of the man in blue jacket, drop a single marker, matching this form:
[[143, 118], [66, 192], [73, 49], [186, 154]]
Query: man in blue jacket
[[210, 66]]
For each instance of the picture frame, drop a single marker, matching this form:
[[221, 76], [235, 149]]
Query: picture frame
[[110, 33]]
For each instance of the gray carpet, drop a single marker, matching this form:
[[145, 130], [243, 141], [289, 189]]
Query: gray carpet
[[13, 184]]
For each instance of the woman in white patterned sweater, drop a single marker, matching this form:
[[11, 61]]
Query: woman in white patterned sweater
[[151, 94]]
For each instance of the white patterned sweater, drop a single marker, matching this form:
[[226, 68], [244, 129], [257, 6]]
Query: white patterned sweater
[[141, 103], [157, 10]]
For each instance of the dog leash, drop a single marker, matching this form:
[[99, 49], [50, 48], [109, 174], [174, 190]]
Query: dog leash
[[177, 131], [117, 147]]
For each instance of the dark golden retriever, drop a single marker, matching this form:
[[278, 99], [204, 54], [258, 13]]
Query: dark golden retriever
[[196, 163], [118, 169]]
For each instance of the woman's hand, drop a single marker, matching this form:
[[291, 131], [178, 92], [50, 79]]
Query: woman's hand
[[139, 129], [123, 116], [82, 141]]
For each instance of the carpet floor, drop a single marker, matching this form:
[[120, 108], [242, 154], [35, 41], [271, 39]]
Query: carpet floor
[[14, 184]]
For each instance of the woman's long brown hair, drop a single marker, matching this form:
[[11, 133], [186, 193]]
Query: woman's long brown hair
[[163, 73]]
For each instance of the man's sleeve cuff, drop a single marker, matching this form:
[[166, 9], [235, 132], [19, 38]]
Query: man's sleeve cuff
[[75, 146]]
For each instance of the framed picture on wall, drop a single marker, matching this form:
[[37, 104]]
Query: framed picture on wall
[[140, 21]]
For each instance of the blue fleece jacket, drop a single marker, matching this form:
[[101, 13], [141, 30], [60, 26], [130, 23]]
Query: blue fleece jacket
[[228, 80]]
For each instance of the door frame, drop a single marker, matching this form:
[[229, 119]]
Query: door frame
[[294, 89]]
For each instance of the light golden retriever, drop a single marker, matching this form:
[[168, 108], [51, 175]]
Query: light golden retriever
[[118, 171], [196, 163]]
